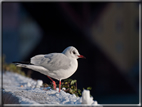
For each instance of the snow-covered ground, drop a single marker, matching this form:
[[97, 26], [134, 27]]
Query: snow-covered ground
[[18, 89]]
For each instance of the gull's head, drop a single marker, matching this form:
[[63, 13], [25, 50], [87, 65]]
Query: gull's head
[[72, 52]]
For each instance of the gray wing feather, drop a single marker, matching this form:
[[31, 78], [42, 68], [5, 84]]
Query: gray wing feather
[[37, 60], [52, 62]]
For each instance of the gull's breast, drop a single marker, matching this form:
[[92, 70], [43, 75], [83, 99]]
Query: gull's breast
[[65, 73]]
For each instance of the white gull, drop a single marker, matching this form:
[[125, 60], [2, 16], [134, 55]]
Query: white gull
[[56, 65]]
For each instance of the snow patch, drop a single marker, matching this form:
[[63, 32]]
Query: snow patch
[[86, 99], [39, 83], [23, 90]]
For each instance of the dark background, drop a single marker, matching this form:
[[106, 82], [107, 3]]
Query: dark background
[[64, 24]]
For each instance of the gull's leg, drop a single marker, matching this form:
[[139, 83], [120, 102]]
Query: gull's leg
[[59, 85], [53, 82]]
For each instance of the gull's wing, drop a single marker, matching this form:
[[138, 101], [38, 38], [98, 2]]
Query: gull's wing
[[52, 62]]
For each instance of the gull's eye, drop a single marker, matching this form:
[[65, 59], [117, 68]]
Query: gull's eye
[[74, 52]]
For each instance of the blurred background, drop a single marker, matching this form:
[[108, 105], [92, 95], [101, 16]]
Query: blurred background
[[107, 34]]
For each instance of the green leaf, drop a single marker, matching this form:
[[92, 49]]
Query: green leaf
[[79, 91], [76, 94], [71, 91], [89, 88], [72, 82], [68, 80], [66, 86]]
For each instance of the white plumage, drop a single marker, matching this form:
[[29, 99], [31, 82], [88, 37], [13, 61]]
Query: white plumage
[[56, 65]]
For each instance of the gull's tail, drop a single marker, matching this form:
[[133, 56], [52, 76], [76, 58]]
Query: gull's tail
[[31, 66], [22, 64]]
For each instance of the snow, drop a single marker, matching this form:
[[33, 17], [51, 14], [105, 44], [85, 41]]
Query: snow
[[18, 89], [86, 99], [39, 83]]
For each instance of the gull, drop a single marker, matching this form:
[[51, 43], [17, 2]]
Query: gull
[[55, 65]]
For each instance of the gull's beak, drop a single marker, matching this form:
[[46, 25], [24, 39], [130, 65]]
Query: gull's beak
[[81, 56]]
